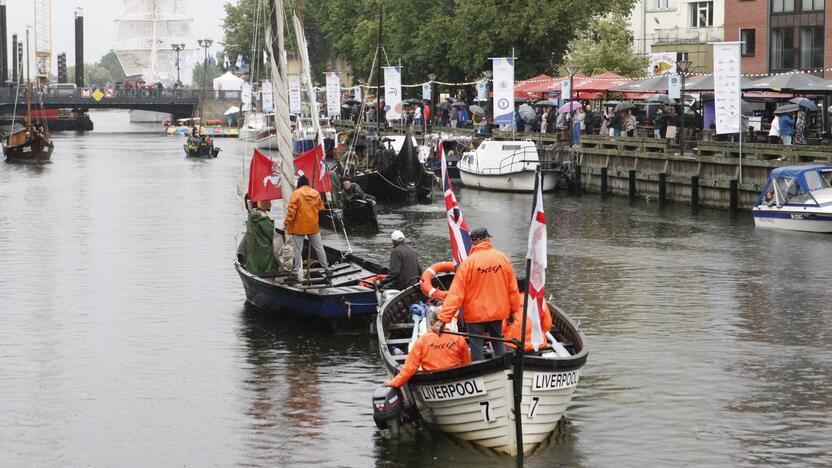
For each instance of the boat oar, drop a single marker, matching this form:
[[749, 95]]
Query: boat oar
[[513, 341], [559, 349]]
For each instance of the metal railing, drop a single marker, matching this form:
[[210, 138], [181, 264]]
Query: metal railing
[[692, 35], [507, 164], [7, 94]]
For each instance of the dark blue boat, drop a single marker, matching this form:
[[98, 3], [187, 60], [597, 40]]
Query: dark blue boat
[[338, 298]]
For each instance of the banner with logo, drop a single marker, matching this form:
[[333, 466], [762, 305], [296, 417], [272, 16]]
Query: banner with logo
[[356, 93], [674, 86], [426, 94], [565, 90], [482, 91], [268, 96], [661, 63], [333, 94], [294, 94], [393, 92], [727, 95], [503, 69], [245, 96]]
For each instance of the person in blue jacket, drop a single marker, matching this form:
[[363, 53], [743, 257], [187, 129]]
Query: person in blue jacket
[[786, 128]]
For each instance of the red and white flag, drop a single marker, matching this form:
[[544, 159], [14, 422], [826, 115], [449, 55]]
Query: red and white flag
[[263, 179], [537, 269], [312, 165], [457, 227]]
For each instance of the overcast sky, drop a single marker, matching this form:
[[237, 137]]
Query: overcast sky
[[99, 24]]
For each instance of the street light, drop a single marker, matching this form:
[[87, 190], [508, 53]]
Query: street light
[[572, 70], [205, 44], [178, 48], [432, 77], [682, 67]]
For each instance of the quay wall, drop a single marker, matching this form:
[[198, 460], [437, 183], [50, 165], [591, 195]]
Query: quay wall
[[710, 174]]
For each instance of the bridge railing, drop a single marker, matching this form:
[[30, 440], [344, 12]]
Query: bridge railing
[[7, 94]]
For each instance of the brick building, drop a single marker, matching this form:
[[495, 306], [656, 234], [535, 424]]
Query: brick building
[[780, 35]]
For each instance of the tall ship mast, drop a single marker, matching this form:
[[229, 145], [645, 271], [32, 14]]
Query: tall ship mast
[[146, 30]]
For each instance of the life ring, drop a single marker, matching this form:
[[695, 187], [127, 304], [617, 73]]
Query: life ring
[[427, 280]]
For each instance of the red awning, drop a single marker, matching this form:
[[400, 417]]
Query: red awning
[[587, 85]]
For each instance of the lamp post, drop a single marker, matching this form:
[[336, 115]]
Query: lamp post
[[178, 48], [432, 77], [572, 70], [683, 66], [205, 44]]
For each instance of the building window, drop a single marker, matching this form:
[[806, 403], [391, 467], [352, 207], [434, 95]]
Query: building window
[[782, 6], [811, 48], [811, 5], [665, 4], [782, 49], [747, 36], [702, 14]]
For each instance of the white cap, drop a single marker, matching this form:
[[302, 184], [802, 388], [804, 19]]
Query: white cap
[[397, 236]]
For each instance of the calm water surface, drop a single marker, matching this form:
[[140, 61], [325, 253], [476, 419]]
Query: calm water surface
[[125, 339]]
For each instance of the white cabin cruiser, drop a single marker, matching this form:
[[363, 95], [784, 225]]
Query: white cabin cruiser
[[254, 123], [504, 166], [796, 198]]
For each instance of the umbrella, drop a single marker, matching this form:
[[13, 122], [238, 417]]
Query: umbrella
[[706, 83], [661, 99], [611, 103], [231, 110], [477, 110], [784, 82], [546, 102], [352, 101], [803, 102], [786, 109], [443, 105], [819, 87], [346, 106], [412, 101], [570, 106], [518, 100], [459, 104], [622, 106], [527, 113]]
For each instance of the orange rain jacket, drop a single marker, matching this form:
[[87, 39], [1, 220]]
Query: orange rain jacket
[[484, 285], [433, 352], [513, 330], [302, 216]]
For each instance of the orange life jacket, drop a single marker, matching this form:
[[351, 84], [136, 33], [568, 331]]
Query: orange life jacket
[[433, 352]]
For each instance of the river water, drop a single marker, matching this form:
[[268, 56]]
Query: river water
[[125, 339]]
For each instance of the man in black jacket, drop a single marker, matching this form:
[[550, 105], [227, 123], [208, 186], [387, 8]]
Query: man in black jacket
[[404, 266]]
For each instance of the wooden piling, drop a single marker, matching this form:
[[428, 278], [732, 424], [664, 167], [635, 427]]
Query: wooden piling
[[604, 181], [662, 187], [632, 190], [694, 191], [734, 189]]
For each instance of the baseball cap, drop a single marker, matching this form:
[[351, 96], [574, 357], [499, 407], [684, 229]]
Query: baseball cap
[[397, 235]]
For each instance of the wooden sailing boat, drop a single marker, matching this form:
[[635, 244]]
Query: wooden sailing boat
[[30, 142]]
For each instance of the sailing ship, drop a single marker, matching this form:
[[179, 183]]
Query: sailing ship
[[344, 295], [146, 29], [29, 142]]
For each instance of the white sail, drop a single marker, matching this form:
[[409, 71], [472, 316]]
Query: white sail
[[283, 131], [306, 73], [146, 30]]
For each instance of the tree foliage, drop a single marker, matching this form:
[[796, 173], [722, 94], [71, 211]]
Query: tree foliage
[[607, 45], [212, 71]]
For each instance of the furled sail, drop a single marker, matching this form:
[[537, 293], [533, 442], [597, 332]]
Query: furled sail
[[306, 72], [283, 131]]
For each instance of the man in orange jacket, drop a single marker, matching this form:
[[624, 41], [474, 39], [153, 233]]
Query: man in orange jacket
[[485, 286], [432, 352], [302, 220], [511, 328]]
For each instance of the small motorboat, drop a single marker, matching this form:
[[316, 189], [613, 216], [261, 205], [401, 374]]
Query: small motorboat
[[28, 143], [201, 147], [475, 402], [796, 198], [502, 166]]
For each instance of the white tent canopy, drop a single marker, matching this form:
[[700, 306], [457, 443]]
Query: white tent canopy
[[228, 82]]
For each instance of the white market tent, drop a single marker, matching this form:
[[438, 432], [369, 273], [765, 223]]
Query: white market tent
[[228, 82]]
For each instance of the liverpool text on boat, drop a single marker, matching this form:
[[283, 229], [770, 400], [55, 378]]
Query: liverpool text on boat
[[502, 165], [797, 198]]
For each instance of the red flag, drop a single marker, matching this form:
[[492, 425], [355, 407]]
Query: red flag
[[263, 179], [312, 165]]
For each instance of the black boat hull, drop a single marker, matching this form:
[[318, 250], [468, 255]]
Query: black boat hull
[[201, 151], [29, 154]]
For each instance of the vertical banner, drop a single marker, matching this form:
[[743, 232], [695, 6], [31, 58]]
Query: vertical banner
[[661, 63], [565, 90], [503, 69], [482, 91], [356, 94], [674, 86], [393, 92], [245, 96], [294, 94], [333, 94], [426, 94], [268, 96], [727, 95]]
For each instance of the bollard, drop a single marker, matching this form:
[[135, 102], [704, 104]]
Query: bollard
[[734, 187], [632, 184], [694, 191], [603, 181], [662, 187]]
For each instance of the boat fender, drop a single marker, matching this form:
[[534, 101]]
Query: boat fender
[[427, 280]]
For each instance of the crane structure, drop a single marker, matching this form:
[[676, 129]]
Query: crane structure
[[43, 40]]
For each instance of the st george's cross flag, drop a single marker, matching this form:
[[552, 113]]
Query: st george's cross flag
[[457, 227], [537, 269], [312, 165], [263, 179]]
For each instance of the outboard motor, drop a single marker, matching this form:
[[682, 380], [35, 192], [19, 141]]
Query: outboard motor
[[387, 408]]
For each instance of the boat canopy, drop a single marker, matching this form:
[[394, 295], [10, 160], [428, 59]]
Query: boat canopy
[[795, 183]]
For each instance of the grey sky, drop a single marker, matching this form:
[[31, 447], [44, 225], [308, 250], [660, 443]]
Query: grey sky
[[99, 24]]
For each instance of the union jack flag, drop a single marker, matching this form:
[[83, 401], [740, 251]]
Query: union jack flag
[[457, 227]]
